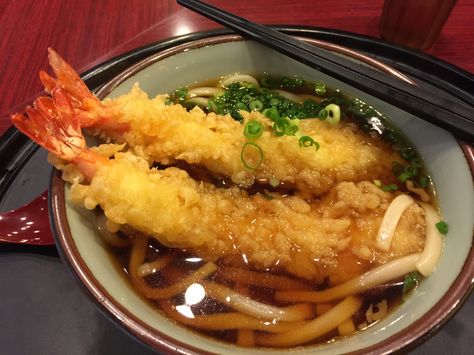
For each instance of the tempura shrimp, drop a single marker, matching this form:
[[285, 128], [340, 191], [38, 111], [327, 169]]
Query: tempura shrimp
[[313, 240], [167, 134]]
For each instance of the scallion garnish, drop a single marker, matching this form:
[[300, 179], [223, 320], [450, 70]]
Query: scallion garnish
[[377, 183], [391, 187], [256, 105], [334, 114], [274, 101], [424, 181], [280, 127], [247, 160], [292, 128], [272, 113], [411, 281], [411, 170], [253, 129], [247, 98], [307, 141], [181, 94], [442, 227], [404, 176], [320, 89], [241, 106], [323, 114]]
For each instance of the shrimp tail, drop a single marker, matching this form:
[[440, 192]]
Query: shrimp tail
[[82, 100], [53, 124], [89, 110], [68, 80]]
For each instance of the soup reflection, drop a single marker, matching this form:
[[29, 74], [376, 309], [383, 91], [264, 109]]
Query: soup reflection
[[268, 211]]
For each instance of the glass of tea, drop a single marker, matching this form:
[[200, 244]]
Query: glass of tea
[[414, 23]]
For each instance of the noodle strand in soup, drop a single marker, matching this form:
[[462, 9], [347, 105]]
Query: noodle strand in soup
[[301, 210]]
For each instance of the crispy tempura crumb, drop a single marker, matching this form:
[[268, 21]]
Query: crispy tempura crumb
[[167, 133], [285, 232]]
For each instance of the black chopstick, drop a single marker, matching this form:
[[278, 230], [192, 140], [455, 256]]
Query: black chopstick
[[454, 116]]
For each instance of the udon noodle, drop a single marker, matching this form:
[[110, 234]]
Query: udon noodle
[[268, 212], [230, 298]]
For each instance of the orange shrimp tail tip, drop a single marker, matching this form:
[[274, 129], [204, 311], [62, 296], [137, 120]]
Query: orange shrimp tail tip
[[88, 108], [48, 82], [68, 80], [52, 123]]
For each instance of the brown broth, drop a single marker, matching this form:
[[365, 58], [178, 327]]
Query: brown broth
[[371, 122], [182, 266], [185, 262]]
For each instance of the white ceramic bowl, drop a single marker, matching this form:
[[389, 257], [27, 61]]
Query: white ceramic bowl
[[435, 299]]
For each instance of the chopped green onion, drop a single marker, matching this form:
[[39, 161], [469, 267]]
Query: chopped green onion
[[290, 113], [272, 113], [291, 83], [181, 93], [378, 183], [247, 98], [223, 110], [323, 114], [280, 127], [442, 227], [256, 105], [411, 281], [411, 170], [291, 129], [391, 187], [307, 141], [404, 176], [247, 162], [424, 181], [253, 129], [334, 113], [320, 89], [241, 106], [274, 102]]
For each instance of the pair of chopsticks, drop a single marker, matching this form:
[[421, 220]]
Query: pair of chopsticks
[[456, 117]]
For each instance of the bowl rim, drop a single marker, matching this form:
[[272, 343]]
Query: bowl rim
[[411, 336], [213, 40]]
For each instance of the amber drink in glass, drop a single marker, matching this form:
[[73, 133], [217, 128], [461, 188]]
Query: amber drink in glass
[[414, 23]]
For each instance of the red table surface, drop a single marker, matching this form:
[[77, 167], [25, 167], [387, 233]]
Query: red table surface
[[87, 32]]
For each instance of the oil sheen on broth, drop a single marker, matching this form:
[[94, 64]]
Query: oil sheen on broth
[[234, 300], [281, 213]]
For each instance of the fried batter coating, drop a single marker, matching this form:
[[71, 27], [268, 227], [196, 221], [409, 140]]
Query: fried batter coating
[[168, 133], [285, 232], [317, 239]]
